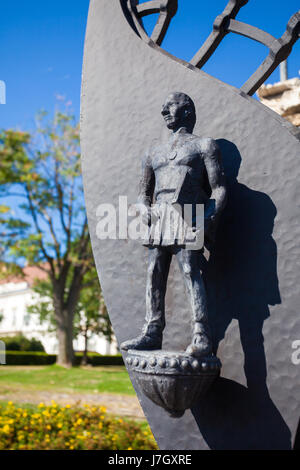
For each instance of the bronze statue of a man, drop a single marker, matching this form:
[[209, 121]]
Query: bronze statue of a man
[[187, 170]]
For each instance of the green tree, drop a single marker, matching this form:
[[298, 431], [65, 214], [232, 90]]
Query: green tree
[[44, 221], [91, 315]]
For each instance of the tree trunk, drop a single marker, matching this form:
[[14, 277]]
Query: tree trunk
[[64, 314], [66, 356], [85, 358]]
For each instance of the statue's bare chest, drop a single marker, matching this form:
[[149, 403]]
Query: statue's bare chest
[[172, 157]]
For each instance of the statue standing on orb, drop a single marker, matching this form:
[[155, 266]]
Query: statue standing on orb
[[186, 170]]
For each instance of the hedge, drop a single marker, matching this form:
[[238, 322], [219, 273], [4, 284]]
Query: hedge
[[98, 360], [21, 343], [29, 358], [32, 358]]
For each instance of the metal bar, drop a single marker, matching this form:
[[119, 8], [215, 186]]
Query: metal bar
[[166, 9], [145, 9], [161, 28], [218, 33], [279, 51], [251, 32], [131, 5]]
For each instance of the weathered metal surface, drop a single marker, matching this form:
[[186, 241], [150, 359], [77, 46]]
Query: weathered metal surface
[[254, 272]]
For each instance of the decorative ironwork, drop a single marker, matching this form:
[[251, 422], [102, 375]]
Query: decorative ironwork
[[166, 9], [218, 33], [279, 49]]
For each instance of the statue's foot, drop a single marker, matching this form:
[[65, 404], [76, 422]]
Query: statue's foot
[[143, 343], [200, 346]]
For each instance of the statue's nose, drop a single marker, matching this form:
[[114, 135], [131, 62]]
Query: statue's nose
[[164, 110]]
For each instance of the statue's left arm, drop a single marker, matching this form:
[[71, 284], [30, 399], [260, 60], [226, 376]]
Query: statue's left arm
[[216, 178]]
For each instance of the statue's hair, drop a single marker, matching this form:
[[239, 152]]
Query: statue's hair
[[189, 103]]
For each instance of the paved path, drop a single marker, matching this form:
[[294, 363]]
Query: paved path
[[123, 405]]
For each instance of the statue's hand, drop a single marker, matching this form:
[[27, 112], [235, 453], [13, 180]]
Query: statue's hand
[[146, 216], [150, 215]]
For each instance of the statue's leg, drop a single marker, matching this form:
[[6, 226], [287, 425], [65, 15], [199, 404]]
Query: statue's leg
[[189, 263], [157, 276]]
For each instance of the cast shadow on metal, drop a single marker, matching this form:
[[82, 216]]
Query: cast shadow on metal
[[225, 23], [245, 254], [185, 172]]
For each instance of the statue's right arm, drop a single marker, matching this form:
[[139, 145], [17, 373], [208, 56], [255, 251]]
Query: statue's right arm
[[147, 182]]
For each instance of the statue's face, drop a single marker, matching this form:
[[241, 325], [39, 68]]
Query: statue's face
[[174, 111]]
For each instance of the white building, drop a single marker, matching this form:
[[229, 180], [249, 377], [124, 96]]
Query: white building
[[284, 98], [16, 295]]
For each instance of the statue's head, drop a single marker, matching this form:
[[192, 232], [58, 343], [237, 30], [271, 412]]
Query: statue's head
[[179, 111]]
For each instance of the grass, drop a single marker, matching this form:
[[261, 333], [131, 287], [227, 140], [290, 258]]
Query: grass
[[78, 379]]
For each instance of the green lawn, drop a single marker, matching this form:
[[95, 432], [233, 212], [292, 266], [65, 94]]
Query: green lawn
[[55, 378]]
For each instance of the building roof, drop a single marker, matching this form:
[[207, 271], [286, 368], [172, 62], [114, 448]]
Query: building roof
[[30, 274]]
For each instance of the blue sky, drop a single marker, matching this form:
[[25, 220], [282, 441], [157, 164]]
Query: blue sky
[[41, 48]]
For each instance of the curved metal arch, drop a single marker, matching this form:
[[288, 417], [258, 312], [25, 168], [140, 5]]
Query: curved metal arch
[[166, 9], [218, 33], [279, 49]]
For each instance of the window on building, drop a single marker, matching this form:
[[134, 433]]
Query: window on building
[[14, 316]]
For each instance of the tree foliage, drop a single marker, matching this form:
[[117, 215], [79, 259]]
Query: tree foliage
[[42, 213]]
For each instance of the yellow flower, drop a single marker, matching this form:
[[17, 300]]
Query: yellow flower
[[68, 406], [10, 403], [25, 414], [100, 425], [59, 425], [41, 405], [129, 448], [6, 429]]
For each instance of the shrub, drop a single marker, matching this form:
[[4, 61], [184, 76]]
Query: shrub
[[95, 359], [32, 358], [27, 358], [69, 428], [21, 343]]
